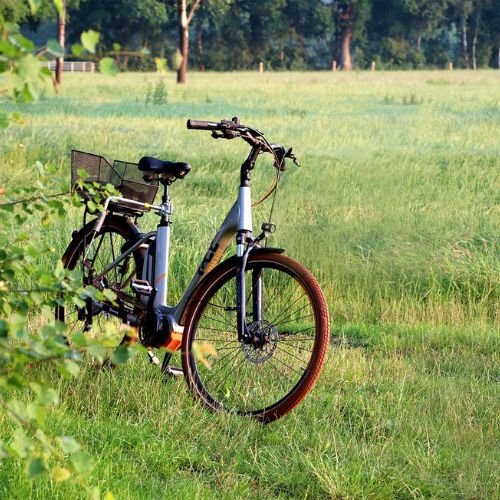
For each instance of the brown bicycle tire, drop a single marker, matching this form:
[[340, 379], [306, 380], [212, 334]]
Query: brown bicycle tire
[[321, 342]]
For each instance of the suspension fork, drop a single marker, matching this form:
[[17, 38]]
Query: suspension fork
[[244, 244], [241, 287], [257, 294], [256, 291]]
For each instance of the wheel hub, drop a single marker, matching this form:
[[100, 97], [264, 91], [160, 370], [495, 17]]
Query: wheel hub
[[262, 341]]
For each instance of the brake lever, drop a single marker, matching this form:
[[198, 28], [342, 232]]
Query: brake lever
[[292, 157], [225, 134]]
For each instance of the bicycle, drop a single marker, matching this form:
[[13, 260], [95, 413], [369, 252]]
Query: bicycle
[[264, 313]]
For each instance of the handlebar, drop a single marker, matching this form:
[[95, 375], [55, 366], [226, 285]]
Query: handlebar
[[230, 129], [202, 125]]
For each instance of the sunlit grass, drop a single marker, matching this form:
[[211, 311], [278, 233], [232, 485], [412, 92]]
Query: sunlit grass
[[395, 210]]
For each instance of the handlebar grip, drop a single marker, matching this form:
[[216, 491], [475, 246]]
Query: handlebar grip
[[202, 125]]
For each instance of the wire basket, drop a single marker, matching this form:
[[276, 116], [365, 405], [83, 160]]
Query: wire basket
[[125, 177]]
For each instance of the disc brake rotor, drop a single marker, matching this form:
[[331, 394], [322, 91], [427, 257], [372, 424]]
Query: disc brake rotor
[[264, 340]]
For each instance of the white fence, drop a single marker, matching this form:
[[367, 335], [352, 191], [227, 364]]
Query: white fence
[[73, 66]]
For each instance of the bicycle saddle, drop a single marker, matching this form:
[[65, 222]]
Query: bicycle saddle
[[172, 169]]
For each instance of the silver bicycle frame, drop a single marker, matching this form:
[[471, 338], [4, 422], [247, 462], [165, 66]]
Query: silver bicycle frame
[[238, 220]]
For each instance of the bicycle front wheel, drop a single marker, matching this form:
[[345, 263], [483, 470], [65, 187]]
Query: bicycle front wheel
[[287, 316]]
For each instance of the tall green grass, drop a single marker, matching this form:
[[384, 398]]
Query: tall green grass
[[396, 208], [396, 211]]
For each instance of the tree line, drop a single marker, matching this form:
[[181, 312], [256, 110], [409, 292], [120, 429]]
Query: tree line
[[281, 34]]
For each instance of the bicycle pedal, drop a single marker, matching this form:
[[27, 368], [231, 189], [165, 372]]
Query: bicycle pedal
[[141, 286], [173, 371], [153, 358]]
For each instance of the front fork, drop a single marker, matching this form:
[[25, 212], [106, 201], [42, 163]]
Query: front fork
[[241, 286]]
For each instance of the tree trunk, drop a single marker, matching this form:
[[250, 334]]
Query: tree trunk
[[464, 39], [183, 41], [200, 50], [474, 42], [345, 58], [419, 41], [61, 39]]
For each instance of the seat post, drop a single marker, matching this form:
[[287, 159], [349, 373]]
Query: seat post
[[165, 201], [165, 197], [162, 248]]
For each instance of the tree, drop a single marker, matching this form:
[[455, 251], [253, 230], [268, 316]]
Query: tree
[[492, 31], [425, 16], [463, 10], [129, 24], [184, 20], [351, 17], [61, 28], [14, 11]]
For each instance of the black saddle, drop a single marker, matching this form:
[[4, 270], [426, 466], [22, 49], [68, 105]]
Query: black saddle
[[177, 170]]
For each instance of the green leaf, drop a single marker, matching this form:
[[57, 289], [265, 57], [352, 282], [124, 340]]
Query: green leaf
[[28, 68], [97, 351], [72, 367], [46, 395], [82, 462], [109, 294], [107, 66], [59, 272], [117, 47], [60, 474], [58, 5], [54, 48], [91, 205], [28, 94], [16, 116], [20, 444], [76, 49], [36, 466], [34, 6], [42, 438], [36, 412], [15, 381], [4, 120], [8, 49], [25, 43], [82, 173], [90, 39], [4, 328], [68, 445], [79, 339], [121, 354], [161, 64]]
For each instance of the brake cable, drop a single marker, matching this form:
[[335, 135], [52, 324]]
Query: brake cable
[[277, 164], [277, 179]]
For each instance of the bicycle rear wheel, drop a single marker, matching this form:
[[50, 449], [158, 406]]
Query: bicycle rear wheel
[[100, 251], [268, 376]]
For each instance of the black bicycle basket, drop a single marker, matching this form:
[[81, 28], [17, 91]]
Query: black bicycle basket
[[124, 176]]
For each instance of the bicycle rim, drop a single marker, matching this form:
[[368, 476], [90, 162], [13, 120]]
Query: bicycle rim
[[269, 376]]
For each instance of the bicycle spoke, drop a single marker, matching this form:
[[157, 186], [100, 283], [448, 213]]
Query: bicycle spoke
[[297, 319], [290, 354], [284, 311], [224, 357], [219, 321]]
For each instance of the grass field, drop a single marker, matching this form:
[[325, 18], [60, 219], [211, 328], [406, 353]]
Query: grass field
[[396, 210]]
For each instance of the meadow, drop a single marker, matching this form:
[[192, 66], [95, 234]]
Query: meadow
[[395, 209]]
